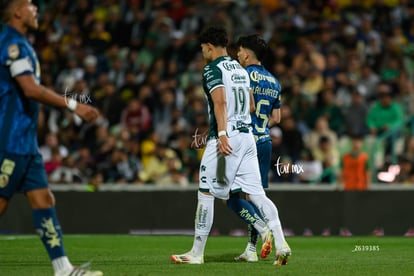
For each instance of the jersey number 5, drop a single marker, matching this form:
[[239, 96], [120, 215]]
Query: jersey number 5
[[263, 118]]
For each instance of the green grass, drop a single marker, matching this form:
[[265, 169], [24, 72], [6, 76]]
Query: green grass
[[149, 255]]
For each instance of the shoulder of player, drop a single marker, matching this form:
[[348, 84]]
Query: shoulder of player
[[214, 65], [257, 73], [209, 69], [12, 46]]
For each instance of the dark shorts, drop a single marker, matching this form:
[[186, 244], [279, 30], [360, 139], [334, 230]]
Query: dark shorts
[[21, 173], [264, 154]]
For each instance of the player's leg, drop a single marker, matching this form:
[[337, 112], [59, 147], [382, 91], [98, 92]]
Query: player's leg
[[243, 208], [203, 222], [11, 173], [264, 154], [48, 228], [250, 171], [249, 214], [3, 205], [242, 173], [205, 206], [246, 210], [271, 216], [45, 219]]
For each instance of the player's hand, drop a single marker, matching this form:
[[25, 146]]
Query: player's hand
[[224, 145], [86, 112]]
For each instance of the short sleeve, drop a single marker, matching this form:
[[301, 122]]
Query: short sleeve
[[277, 103], [212, 77], [18, 59]]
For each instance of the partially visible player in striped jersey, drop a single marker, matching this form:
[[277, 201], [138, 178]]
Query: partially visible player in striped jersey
[[229, 163], [266, 92]]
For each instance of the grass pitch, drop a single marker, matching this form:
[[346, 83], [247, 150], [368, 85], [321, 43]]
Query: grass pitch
[[149, 255]]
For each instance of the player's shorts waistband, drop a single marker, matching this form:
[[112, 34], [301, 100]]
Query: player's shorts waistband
[[241, 127]]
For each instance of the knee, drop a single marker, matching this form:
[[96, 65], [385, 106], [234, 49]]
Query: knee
[[232, 200], [3, 205], [41, 199]]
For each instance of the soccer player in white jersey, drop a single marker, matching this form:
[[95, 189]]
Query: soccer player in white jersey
[[230, 158]]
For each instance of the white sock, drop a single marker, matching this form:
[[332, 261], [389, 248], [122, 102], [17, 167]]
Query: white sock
[[260, 226], [271, 217], [203, 222], [250, 247], [61, 264]]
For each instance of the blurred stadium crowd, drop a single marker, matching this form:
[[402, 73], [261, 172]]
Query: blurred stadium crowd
[[139, 63]]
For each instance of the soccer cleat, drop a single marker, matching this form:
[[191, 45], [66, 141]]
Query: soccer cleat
[[267, 244], [82, 270], [247, 256], [283, 255], [187, 258]]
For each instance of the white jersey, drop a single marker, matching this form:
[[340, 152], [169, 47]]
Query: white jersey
[[240, 170], [228, 73]]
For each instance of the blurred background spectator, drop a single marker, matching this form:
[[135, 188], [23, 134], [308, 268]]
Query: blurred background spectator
[[139, 63], [354, 173]]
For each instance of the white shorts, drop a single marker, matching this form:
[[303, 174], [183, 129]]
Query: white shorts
[[238, 171]]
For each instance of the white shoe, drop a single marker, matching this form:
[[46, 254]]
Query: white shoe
[[282, 255], [187, 258], [247, 256], [82, 270]]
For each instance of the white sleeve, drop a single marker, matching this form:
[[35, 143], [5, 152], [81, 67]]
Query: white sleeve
[[20, 66]]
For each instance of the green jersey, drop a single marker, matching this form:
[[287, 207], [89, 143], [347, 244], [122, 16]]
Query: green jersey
[[228, 73]]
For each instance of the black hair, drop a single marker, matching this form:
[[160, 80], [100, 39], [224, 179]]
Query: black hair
[[4, 7], [215, 35], [254, 43], [4, 4]]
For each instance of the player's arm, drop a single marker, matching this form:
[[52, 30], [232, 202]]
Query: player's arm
[[47, 96], [275, 117], [252, 102], [218, 95]]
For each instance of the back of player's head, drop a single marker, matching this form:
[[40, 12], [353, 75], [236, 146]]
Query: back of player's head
[[4, 9], [215, 35], [4, 4], [254, 43]]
